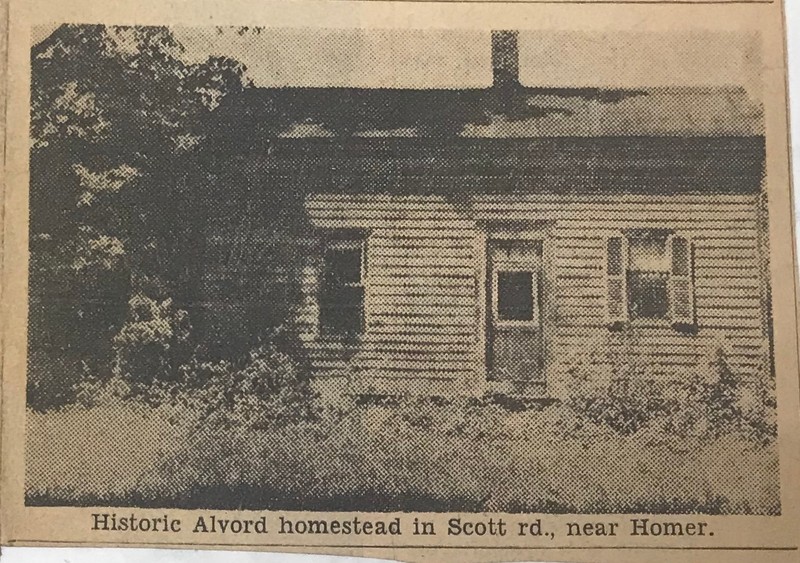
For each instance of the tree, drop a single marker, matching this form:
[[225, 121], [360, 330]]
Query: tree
[[117, 119]]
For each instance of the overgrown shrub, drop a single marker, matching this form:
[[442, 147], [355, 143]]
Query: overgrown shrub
[[613, 389], [711, 402], [94, 391], [269, 386], [625, 406], [74, 311], [52, 378], [720, 402], [759, 409], [154, 341]]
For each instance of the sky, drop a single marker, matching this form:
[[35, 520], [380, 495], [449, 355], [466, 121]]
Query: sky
[[462, 58], [699, 82]]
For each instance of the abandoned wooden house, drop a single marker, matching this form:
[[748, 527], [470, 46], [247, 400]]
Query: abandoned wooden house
[[446, 242]]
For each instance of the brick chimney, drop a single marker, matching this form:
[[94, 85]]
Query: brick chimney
[[505, 59]]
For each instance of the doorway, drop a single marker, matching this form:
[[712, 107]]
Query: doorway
[[514, 292]]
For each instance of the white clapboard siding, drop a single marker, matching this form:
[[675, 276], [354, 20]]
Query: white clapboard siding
[[423, 309]]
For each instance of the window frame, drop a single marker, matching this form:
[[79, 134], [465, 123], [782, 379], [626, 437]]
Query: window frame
[[670, 319], [343, 242]]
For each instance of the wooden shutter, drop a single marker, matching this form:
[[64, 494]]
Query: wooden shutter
[[616, 283], [681, 281]]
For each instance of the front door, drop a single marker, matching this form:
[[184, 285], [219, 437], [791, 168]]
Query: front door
[[515, 350]]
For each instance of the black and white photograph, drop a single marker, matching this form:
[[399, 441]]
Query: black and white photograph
[[398, 270]]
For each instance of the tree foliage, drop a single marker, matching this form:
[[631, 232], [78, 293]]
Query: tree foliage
[[117, 120]]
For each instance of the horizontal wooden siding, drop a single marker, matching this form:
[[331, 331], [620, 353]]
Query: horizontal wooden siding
[[423, 306]]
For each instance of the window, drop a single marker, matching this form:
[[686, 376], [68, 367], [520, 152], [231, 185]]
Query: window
[[515, 297], [649, 277], [341, 302]]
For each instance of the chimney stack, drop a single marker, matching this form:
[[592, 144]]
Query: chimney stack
[[505, 58]]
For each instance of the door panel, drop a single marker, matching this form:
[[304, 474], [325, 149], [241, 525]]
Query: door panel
[[514, 331], [517, 354]]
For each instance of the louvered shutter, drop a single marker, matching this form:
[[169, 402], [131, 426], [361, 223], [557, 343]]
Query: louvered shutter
[[681, 281], [616, 268]]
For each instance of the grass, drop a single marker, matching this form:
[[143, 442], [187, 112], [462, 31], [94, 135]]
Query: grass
[[421, 455]]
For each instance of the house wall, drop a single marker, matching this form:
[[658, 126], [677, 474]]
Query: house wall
[[425, 300]]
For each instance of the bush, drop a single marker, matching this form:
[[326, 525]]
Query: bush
[[268, 387], [625, 406], [713, 402], [613, 389], [153, 342], [93, 391], [759, 409], [52, 377], [725, 403]]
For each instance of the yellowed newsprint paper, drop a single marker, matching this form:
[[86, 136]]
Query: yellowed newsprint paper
[[423, 281]]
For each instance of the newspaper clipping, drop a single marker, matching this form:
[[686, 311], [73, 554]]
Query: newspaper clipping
[[413, 280]]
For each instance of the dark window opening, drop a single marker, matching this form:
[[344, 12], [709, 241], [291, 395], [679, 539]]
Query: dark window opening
[[341, 303], [515, 299], [647, 295], [648, 278]]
